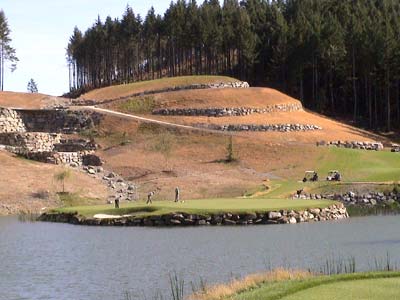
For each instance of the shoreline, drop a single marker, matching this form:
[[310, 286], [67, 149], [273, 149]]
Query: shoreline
[[183, 219]]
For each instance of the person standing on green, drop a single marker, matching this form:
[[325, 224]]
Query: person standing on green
[[177, 194]]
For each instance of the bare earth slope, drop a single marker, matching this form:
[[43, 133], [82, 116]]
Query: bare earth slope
[[28, 100], [29, 186]]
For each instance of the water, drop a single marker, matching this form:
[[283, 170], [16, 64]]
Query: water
[[61, 261]]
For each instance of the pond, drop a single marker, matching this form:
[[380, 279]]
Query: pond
[[61, 261]]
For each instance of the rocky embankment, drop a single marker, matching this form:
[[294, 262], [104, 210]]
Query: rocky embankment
[[377, 146], [334, 212], [227, 111], [361, 199], [260, 128]]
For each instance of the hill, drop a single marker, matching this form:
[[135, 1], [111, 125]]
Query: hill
[[159, 157], [28, 100]]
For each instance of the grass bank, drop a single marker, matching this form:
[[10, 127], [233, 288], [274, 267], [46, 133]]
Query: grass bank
[[284, 284], [205, 206]]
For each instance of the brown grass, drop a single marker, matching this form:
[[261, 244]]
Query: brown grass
[[223, 291], [28, 100], [124, 90], [23, 181], [252, 97]]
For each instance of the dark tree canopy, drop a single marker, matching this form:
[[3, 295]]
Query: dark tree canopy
[[340, 57]]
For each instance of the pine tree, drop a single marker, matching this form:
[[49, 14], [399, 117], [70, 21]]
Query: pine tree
[[32, 86], [7, 53]]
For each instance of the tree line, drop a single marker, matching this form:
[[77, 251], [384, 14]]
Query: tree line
[[340, 57]]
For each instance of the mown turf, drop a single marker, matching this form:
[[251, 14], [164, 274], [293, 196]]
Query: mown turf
[[205, 206], [379, 169], [361, 165], [347, 286], [386, 288]]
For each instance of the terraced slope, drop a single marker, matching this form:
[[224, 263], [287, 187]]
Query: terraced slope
[[124, 90]]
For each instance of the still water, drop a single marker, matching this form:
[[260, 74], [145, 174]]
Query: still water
[[61, 261]]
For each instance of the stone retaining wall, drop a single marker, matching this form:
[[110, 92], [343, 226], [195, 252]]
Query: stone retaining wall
[[59, 121], [377, 146], [227, 111], [334, 212], [236, 85], [73, 145], [261, 128], [31, 141], [362, 199], [11, 121]]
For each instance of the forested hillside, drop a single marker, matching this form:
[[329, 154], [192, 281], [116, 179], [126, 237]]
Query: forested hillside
[[340, 57]]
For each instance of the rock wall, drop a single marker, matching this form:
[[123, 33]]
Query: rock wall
[[362, 199], [10, 121], [261, 128], [31, 141], [334, 212], [377, 146], [222, 85], [227, 112], [60, 121]]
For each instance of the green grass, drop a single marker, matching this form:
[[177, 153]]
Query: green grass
[[376, 285], [360, 165], [139, 105], [385, 288], [356, 166], [206, 206]]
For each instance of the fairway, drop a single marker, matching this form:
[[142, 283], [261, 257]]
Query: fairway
[[371, 289], [361, 165], [201, 206]]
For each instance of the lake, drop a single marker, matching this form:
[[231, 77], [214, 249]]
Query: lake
[[62, 261]]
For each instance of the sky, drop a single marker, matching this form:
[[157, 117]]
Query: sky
[[40, 31]]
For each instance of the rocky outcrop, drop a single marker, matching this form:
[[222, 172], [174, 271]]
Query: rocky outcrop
[[221, 85], [261, 128], [334, 212], [376, 146], [227, 111], [118, 187]]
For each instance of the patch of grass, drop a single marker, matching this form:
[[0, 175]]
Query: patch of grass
[[376, 210], [361, 165], [291, 289], [75, 199], [205, 206], [137, 105]]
